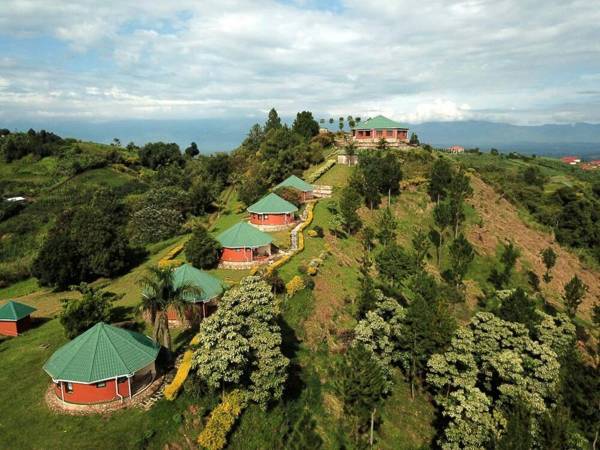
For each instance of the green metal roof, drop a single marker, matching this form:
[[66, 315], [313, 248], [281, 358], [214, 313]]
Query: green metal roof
[[243, 235], [210, 286], [13, 311], [101, 353], [379, 122], [272, 204], [297, 183]]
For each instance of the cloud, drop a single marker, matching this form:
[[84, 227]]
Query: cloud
[[414, 61]]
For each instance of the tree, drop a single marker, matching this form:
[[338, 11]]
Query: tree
[[273, 121], [331, 120], [573, 295], [428, 329], [420, 243], [461, 256], [435, 237], [305, 125], [202, 196], [79, 315], [367, 236], [341, 123], [386, 227], [458, 190], [442, 217], [240, 344], [439, 179], [192, 151], [294, 196], [348, 205], [202, 250], [366, 298], [549, 260], [519, 307], [86, 242], [159, 294], [360, 384], [509, 257], [491, 365], [157, 154], [414, 139], [395, 264]]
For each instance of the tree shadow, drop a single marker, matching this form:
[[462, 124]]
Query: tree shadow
[[122, 313], [184, 337], [38, 322], [290, 344]]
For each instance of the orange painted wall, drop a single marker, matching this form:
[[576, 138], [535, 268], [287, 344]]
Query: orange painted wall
[[8, 328], [89, 393], [15, 328], [271, 219], [236, 255]]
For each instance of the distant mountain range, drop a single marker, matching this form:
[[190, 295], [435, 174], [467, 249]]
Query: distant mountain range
[[581, 139]]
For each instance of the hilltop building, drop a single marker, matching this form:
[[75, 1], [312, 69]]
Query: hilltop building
[[374, 129], [202, 304], [455, 149], [571, 160], [103, 364], [15, 318], [299, 184], [243, 246], [272, 213]]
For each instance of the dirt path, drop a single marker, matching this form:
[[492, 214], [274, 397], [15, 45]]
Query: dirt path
[[501, 222]]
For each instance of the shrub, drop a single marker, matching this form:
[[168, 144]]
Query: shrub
[[173, 388], [221, 421], [319, 230], [308, 282], [275, 281], [312, 233], [295, 285]]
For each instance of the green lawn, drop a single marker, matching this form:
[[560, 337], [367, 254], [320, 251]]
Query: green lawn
[[26, 422]]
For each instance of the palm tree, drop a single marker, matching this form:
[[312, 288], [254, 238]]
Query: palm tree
[[159, 293]]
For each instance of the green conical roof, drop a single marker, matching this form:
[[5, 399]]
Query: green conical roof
[[210, 286], [101, 353], [297, 183], [379, 122], [13, 311], [242, 235], [272, 204]]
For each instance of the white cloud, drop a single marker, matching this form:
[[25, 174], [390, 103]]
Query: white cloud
[[415, 61]]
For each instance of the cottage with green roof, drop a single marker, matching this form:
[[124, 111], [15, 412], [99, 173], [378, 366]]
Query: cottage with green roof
[[299, 184], [15, 318], [376, 128], [103, 364], [210, 287], [272, 213], [244, 245]]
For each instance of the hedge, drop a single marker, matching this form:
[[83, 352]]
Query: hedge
[[173, 388], [221, 421]]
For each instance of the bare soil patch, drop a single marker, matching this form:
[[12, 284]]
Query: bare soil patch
[[501, 222]]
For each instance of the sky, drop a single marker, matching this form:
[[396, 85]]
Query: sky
[[515, 61]]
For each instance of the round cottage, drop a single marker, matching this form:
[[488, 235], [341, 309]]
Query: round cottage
[[103, 364], [300, 185], [201, 304], [15, 318], [272, 213], [243, 246]]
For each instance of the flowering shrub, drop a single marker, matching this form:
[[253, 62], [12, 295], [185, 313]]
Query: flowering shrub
[[320, 171], [312, 233], [168, 261], [312, 270], [296, 284], [221, 420], [415, 181], [172, 389]]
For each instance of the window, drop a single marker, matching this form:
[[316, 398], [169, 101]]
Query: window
[[390, 133], [102, 384], [379, 133], [69, 387], [368, 133]]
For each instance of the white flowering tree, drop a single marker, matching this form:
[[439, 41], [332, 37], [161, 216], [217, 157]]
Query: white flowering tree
[[492, 364], [240, 344]]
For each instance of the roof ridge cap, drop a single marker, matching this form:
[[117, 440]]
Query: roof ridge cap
[[116, 352]]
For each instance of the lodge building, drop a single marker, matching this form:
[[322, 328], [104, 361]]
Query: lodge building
[[377, 128], [272, 213]]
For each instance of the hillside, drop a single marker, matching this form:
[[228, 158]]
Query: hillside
[[321, 321]]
